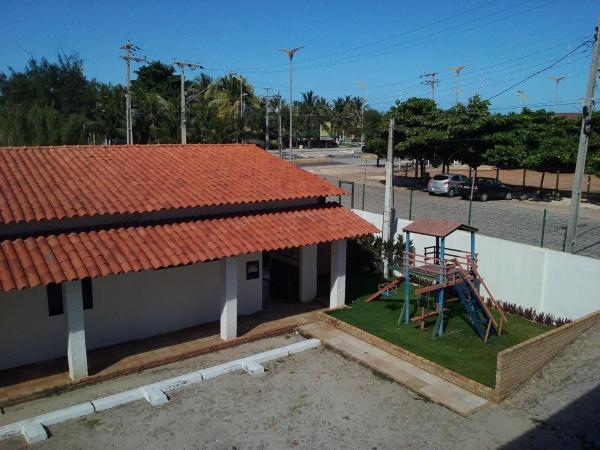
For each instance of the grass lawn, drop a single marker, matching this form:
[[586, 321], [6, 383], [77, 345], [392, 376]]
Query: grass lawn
[[460, 349]]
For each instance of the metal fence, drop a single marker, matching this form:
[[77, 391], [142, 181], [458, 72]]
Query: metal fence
[[502, 219]]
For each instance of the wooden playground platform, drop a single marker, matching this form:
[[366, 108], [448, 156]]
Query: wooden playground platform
[[439, 268]]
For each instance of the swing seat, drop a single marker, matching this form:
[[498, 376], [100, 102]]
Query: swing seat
[[387, 290]]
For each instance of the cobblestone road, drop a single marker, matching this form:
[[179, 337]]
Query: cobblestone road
[[515, 220]]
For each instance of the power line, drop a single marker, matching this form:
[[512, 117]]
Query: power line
[[539, 71], [424, 39], [503, 72], [418, 86], [451, 91]]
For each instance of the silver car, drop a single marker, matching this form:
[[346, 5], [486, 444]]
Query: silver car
[[446, 183]]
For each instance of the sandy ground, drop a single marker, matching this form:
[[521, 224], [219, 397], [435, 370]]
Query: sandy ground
[[318, 399]]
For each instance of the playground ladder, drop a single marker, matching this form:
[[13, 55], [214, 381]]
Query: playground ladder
[[492, 300], [481, 318]]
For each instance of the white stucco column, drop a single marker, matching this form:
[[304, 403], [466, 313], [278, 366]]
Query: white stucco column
[[308, 273], [76, 350], [337, 296], [229, 296]]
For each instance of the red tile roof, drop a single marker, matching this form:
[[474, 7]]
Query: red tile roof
[[41, 183], [41, 260], [437, 228]]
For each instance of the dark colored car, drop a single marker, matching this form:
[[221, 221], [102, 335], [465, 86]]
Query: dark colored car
[[485, 189]]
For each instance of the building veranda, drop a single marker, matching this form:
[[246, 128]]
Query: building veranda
[[105, 244]]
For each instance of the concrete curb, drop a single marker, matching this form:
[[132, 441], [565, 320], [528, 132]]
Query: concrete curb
[[34, 429]]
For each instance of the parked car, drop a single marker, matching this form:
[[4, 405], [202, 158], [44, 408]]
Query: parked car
[[485, 189], [446, 183]]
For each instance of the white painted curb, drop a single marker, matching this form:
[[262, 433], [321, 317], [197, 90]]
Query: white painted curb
[[119, 399], [154, 396], [34, 432], [253, 368], [33, 429]]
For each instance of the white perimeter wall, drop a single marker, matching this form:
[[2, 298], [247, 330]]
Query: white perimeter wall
[[126, 307], [550, 281]]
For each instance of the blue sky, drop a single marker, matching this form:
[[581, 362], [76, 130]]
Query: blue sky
[[386, 44]]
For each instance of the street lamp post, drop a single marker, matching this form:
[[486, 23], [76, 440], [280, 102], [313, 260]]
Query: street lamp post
[[557, 80], [291, 54]]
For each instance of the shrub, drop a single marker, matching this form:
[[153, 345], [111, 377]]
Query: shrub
[[366, 253], [531, 314]]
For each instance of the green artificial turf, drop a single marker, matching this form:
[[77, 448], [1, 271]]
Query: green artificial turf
[[460, 349]]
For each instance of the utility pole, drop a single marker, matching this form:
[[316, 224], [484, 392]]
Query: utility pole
[[129, 56], [431, 82], [388, 208], [584, 135], [557, 80], [183, 65], [457, 70], [291, 54], [522, 97], [267, 118], [362, 86], [280, 135]]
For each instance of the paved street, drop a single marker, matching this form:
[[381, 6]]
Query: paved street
[[513, 220], [517, 220]]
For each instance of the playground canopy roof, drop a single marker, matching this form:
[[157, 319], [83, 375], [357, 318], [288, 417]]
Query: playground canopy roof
[[436, 228]]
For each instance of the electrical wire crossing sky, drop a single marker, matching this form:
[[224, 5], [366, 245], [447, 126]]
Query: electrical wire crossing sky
[[387, 45]]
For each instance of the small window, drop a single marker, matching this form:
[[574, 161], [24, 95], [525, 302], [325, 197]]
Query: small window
[[252, 270], [440, 177], [55, 299], [86, 292]]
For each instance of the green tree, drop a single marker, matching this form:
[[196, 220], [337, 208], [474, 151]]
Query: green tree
[[420, 131], [471, 129]]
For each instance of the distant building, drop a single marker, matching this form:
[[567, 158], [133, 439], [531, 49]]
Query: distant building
[[105, 244], [569, 115]]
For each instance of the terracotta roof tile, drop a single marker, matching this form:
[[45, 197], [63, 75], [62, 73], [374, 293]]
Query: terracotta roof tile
[[437, 228], [36, 261], [42, 183]]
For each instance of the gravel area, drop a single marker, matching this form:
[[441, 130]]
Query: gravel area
[[318, 399]]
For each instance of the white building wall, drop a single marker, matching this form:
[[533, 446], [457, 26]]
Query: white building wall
[[27, 333], [126, 307], [548, 280]]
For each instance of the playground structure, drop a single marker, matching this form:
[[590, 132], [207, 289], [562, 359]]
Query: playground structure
[[439, 270]]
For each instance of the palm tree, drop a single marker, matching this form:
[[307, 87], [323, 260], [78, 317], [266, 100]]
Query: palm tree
[[155, 119], [308, 111], [228, 102], [108, 122], [342, 117]]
